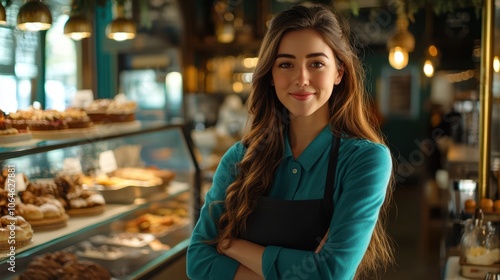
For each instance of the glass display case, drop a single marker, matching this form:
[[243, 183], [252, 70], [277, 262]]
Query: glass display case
[[142, 228]]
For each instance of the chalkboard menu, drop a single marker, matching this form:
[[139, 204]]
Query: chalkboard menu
[[398, 93]]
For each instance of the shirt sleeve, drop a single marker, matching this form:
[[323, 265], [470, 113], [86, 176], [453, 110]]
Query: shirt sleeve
[[203, 260], [361, 183]]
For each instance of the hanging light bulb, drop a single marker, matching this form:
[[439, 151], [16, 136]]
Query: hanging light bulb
[[78, 27], [3, 15], [400, 44], [496, 64], [121, 28], [428, 68], [34, 16], [431, 61]]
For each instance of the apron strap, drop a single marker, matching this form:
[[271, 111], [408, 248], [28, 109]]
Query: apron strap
[[330, 177]]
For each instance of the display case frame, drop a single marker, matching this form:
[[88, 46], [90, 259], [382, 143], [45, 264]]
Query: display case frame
[[82, 228]]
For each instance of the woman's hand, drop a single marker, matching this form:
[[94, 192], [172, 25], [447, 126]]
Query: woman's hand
[[323, 241], [248, 254], [223, 246]]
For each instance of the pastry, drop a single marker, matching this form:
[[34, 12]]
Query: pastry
[[96, 199], [14, 226], [19, 120], [109, 111], [84, 270], [78, 203], [32, 212], [75, 196], [77, 118], [4, 234], [63, 265], [47, 120], [50, 210]]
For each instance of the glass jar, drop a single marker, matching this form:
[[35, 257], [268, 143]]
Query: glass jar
[[479, 244]]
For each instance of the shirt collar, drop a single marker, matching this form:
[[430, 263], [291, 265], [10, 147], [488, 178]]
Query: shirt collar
[[313, 151]]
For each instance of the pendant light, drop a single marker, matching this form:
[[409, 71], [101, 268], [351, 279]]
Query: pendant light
[[401, 43], [121, 28], [34, 15], [3, 15], [78, 26]]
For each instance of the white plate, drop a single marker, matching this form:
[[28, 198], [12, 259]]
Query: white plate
[[13, 138], [73, 133]]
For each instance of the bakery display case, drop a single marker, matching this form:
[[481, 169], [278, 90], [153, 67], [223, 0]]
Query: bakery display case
[[125, 202]]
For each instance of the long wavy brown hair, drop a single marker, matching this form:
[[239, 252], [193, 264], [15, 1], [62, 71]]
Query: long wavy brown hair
[[350, 116]]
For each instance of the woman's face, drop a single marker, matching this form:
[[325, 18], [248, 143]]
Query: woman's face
[[304, 74]]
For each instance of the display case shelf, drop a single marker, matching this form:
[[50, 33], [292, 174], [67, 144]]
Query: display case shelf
[[160, 145]]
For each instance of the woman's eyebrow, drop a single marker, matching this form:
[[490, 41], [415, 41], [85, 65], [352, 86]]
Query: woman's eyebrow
[[285, 55], [316, 54]]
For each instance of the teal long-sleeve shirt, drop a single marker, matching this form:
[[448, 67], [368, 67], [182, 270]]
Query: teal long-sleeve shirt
[[362, 176]]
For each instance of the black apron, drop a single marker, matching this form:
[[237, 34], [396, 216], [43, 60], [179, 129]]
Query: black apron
[[294, 224]]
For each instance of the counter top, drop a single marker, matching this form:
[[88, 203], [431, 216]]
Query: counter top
[[452, 269]]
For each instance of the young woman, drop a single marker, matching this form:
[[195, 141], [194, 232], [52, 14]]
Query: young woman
[[302, 195]]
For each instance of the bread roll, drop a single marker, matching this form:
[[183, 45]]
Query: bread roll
[[486, 204], [496, 206], [470, 205]]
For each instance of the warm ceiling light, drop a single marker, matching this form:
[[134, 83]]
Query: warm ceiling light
[[400, 44], [496, 64], [433, 51], [121, 28], [78, 27], [3, 15], [34, 16], [428, 68]]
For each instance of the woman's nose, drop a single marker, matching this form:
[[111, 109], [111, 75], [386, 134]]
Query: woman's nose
[[302, 78]]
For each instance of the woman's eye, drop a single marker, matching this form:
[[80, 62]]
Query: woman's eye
[[284, 65], [317, 64]]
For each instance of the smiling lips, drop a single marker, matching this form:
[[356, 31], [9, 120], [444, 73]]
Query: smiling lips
[[301, 96]]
